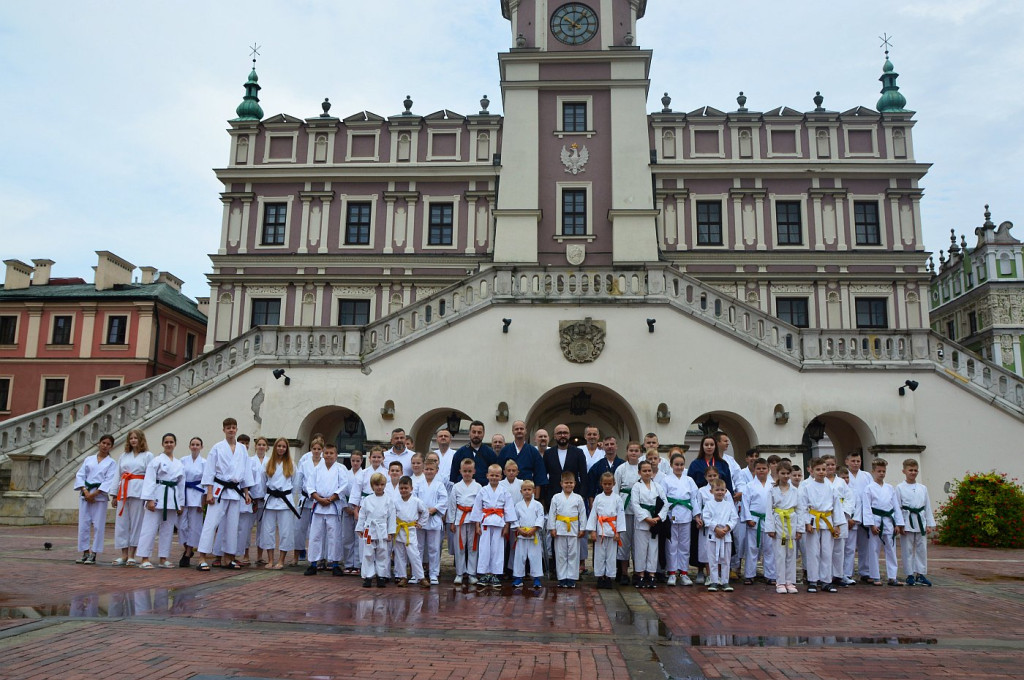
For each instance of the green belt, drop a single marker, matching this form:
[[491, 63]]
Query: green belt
[[883, 515], [89, 486], [685, 502], [760, 525], [650, 508], [629, 495], [914, 512], [167, 487]]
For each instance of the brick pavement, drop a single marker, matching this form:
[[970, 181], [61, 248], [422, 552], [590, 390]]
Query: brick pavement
[[60, 618]]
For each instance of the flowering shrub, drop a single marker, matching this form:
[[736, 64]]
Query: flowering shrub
[[985, 510]]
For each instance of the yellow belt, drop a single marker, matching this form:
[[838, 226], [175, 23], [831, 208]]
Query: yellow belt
[[786, 517], [406, 526], [568, 521], [823, 516]]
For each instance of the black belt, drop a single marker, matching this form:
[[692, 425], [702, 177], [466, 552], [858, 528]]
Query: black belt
[[167, 488], [283, 495], [226, 485]]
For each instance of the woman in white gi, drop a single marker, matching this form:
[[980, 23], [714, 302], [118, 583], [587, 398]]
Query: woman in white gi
[[279, 512], [129, 504], [163, 490], [190, 524]]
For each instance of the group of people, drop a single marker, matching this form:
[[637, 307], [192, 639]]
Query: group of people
[[515, 509]]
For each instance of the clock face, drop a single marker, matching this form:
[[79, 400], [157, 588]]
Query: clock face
[[574, 23]]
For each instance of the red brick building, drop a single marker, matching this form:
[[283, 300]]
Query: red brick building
[[62, 338]]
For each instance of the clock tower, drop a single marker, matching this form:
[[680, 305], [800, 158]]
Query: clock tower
[[576, 179]]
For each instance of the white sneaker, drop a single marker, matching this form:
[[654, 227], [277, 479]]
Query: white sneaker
[[434, 581], [458, 579], [671, 580], [472, 580], [684, 580]]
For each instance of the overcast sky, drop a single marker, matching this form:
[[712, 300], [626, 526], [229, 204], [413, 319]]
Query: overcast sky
[[114, 114]]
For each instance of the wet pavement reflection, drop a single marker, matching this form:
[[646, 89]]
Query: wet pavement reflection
[[140, 602]]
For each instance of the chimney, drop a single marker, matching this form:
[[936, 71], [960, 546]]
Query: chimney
[[111, 270], [171, 280], [148, 274], [41, 276], [19, 275], [203, 304]]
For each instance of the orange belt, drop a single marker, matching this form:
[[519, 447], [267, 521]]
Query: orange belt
[[466, 509], [122, 490], [500, 512], [610, 521]]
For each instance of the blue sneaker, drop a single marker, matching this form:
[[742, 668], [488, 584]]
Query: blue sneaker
[[302, 554], [536, 583], [517, 583], [910, 580], [922, 580]]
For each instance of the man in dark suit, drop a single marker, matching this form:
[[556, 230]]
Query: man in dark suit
[[481, 454], [562, 458]]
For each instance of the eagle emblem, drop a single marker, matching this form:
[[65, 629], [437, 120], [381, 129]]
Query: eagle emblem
[[574, 158]]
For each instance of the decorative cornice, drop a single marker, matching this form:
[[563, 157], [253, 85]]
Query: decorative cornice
[[834, 192], [753, 193], [244, 196], [309, 195], [406, 195]]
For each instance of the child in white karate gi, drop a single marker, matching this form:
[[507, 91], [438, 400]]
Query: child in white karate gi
[[719, 517], [917, 514], [163, 490], [460, 505], [329, 484], [376, 528], [821, 515], [883, 517], [647, 513], [683, 502], [567, 517], [529, 525], [784, 528], [129, 503], [249, 514], [846, 500], [410, 514], [96, 481], [493, 511], [434, 494], [307, 463], [190, 524], [625, 477], [755, 507], [606, 522], [277, 528]]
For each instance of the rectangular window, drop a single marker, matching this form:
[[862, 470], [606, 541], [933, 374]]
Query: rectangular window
[[441, 215], [274, 220], [574, 212], [5, 394], [865, 217], [574, 117], [61, 330], [8, 330], [109, 383], [190, 346], [951, 330], [353, 312], [792, 311], [171, 339], [709, 223], [787, 221], [265, 312], [872, 313], [357, 225], [53, 391], [117, 330], [972, 322]]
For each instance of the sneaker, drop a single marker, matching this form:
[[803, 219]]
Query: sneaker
[[624, 580], [671, 580], [424, 582], [310, 570], [184, 562], [780, 589], [713, 588], [434, 581], [847, 581], [337, 571], [684, 580], [910, 580], [537, 583], [727, 589], [652, 583], [472, 580], [83, 558], [517, 583], [922, 580], [302, 554], [381, 582], [91, 559], [570, 584], [367, 582], [791, 589], [458, 579], [812, 588], [700, 579], [829, 588], [402, 582]]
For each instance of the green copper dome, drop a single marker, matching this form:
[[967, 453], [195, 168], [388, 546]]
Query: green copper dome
[[250, 109], [891, 100]]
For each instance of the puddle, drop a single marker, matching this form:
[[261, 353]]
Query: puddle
[[141, 602], [796, 641]]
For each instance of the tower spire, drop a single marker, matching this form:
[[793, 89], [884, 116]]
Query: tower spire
[[891, 100], [250, 108]]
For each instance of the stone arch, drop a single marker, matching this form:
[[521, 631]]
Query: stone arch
[[607, 410], [426, 426], [741, 433], [844, 431], [330, 421]]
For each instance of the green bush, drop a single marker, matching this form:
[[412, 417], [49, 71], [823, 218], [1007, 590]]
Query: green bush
[[985, 510]]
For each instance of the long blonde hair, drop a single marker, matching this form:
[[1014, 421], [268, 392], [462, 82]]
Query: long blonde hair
[[143, 446], [286, 467]]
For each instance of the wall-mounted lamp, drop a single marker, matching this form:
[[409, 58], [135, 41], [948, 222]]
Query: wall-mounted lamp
[[505, 323], [279, 373], [912, 384], [663, 414], [650, 325], [453, 422], [781, 415], [388, 412]]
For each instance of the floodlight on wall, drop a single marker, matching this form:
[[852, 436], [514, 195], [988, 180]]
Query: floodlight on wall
[[912, 384], [279, 373], [650, 325], [505, 323]]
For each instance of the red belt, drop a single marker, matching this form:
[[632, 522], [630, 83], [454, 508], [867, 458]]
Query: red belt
[[122, 490]]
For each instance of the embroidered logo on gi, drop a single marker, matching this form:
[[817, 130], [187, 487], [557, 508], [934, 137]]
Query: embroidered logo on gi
[[581, 341], [575, 159]]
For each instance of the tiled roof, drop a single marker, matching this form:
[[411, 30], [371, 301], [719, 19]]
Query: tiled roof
[[159, 292]]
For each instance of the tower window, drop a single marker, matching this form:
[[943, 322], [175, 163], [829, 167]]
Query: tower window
[[574, 117], [574, 212], [709, 223]]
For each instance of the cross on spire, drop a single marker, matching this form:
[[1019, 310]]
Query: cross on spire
[[886, 43], [254, 52]]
